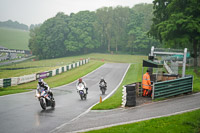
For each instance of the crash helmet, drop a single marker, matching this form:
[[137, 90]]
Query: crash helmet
[[102, 78], [40, 81], [80, 80]]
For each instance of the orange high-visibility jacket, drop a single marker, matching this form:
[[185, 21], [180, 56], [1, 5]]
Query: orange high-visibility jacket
[[146, 83]]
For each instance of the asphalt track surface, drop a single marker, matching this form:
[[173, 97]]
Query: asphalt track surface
[[21, 113], [101, 119], [13, 61]]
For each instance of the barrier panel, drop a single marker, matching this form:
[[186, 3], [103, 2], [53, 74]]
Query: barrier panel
[[14, 81], [1, 82], [70, 66], [54, 72], [42, 75], [77, 64], [57, 71], [60, 70], [74, 65], [80, 63], [7, 82], [172, 87], [65, 68], [87, 60], [50, 73], [26, 78]]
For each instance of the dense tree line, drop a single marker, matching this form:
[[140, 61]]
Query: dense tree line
[[108, 29], [176, 23], [14, 24]]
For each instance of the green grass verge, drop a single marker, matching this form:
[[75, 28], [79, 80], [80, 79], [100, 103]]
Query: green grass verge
[[120, 58], [183, 123], [196, 78], [14, 39], [58, 80], [134, 74]]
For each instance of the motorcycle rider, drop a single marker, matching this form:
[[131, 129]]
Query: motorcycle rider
[[80, 81], [42, 84], [102, 80]]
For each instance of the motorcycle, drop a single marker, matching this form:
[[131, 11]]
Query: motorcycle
[[103, 87], [45, 99], [82, 91]]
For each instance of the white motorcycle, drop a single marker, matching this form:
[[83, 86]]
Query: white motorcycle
[[82, 91], [45, 99]]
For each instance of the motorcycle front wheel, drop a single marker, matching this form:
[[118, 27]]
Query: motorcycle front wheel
[[53, 104], [43, 105], [103, 90]]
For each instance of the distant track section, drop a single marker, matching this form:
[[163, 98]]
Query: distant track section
[[5, 50]]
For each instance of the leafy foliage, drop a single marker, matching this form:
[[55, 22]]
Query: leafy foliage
[[15, 25], [177, 24], [119, 29]]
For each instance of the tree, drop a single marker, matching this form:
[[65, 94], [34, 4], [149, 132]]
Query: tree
[[177, 24], [48, 40], [81, 36]]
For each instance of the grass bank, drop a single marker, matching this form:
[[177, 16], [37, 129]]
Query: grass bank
[[183, 123], [196, 77], [14, 38], [58, 80]]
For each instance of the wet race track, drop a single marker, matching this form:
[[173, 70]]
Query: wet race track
[[21, 113]]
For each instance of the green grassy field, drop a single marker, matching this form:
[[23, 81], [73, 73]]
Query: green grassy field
[[183, 123], [14, 39]]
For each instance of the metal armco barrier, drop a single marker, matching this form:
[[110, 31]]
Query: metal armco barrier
[[172, 87], [129, 95]]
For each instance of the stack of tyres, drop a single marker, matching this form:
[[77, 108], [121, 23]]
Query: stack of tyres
[[131, 95]]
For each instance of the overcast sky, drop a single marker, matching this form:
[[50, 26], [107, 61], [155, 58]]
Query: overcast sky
[[37, 11]]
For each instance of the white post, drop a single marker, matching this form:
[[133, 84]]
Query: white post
[[184, 62], [153, 90], [152, 50]]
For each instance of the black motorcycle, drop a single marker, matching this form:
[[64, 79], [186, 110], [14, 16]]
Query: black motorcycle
[[103, 87]]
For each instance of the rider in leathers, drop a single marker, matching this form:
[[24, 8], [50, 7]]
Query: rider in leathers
[[80, 81], [42, 84], [102, 80]]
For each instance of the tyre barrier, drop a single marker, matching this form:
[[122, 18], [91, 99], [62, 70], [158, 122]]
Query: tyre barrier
[[129, 95]]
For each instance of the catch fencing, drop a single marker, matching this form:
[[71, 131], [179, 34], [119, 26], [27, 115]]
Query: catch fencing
[[32, 77]]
